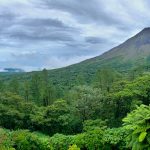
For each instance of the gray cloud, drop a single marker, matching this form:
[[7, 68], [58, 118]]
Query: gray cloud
[[56, 33], [38, 29], [95, 40], [6, 20], [85, 11], [41, 36], [43, 23]]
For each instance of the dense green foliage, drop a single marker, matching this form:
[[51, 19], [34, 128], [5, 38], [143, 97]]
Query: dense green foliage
[[36, 114], [134, 134], [138, 123]]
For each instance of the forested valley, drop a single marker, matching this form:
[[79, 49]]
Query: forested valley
[[109, 113]]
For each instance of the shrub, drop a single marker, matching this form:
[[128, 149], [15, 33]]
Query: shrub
[[138, 124], [24, 140], [5, 139], [114, 138], [61, 142], [74, 147]]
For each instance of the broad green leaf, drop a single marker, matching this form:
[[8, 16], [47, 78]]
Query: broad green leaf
[[142, 136]]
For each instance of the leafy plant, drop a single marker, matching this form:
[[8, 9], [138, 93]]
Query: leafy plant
[[138, 123], [74, 147]]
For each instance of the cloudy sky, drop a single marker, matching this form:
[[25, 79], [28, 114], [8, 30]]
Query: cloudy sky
[[36, 34]]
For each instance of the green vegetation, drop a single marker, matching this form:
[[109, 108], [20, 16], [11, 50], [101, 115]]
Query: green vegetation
[[134, 134], [86, 117], [87, 106]]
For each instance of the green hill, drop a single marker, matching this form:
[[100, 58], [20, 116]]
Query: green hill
[[132, 53]]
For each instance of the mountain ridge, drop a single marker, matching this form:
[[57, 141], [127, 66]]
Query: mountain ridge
[[104, 55], [133, 52]]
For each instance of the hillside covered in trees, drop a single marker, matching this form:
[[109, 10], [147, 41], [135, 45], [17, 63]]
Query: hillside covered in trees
[[130, 57], [99, 104]]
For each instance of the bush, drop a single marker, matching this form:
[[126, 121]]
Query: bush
[[74, 147], [79, 140], [114, 138], [5, 140], [61, 142], [93, 139], [24, 140], [138, 124]]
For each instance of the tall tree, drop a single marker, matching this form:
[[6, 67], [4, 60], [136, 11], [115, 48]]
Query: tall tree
[[87, 102], [48, 91], [26, 90], [35, 88], [105, 78], [1, 86], [14, 86]]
